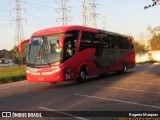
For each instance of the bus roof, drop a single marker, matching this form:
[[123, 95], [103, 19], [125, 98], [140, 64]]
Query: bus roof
[[116, 34], [62, 29]]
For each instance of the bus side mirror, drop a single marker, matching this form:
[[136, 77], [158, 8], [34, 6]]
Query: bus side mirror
[[21, 44], [62, 39]]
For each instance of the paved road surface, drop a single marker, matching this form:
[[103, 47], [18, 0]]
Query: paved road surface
[[138, 90]]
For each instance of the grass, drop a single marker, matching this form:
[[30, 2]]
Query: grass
[[12, 74]]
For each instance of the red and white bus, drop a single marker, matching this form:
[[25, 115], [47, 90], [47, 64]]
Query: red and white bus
[[73, 52]]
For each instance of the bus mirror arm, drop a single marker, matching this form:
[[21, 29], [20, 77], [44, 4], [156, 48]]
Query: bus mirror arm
[[21, 44]]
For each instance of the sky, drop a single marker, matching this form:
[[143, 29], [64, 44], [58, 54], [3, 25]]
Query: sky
[[121, 16]]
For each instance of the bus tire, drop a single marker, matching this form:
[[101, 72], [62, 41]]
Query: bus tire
[[82, 75], [124, 68]]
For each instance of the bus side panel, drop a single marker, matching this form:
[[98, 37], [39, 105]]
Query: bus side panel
[[74, 64], [86, 57], [130, 60], [127, 55], [113, 64], [109, 58], [71, 69]]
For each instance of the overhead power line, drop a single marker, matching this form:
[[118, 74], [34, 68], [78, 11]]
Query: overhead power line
[[35, 4]]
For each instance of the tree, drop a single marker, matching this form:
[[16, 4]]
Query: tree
[[154, 31], [9, 54], [155, 41], [20, 58], [3, 53], [139, 47]]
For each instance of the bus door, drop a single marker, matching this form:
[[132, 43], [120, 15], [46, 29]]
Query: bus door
[[87, 52], [69, 57]]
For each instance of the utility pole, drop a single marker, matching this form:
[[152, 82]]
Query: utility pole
[[63, 10], [19, 34], [89, 13]]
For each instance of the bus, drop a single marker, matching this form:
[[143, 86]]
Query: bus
[[74, 52]]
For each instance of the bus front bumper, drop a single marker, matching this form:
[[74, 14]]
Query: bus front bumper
[[45, 77]]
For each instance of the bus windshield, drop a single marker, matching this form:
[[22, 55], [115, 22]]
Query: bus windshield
[[44, 50]]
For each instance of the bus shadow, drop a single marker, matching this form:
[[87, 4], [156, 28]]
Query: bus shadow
[[107, 76], [91, 79], [63, 84]]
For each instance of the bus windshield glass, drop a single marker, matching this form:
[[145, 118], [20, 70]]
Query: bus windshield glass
[[44, 50]]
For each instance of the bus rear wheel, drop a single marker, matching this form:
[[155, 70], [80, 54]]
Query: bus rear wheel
[[124, 68], [82, 75]]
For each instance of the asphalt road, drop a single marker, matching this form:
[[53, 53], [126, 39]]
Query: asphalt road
[[138, 90]]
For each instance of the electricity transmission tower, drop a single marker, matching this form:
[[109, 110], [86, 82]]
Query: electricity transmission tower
[[89, 13], [63, 9], [19, 34], [104, 22]]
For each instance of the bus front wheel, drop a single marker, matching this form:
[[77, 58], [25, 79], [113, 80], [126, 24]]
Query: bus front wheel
[[82, 75]]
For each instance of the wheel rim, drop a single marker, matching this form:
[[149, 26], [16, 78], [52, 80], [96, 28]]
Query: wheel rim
[[125, 68], [83, 75]]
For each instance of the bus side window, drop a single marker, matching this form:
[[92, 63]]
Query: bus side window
[[131, 46], [115, 42], [122, 43], [98, 43], [69, 49], [106, 42], [126, 42], [110, 42], [86, 41]]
